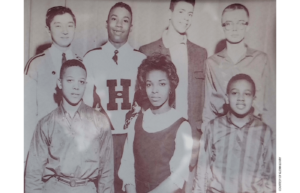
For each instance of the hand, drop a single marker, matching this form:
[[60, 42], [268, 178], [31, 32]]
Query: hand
[[97, 108]]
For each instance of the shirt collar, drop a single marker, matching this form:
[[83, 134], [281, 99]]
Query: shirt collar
[[122, 49], [56, 53], [63, 112], [169, 42], [249, 53], [228, 117]]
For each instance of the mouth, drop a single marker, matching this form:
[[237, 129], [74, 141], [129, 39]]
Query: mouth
[[64, 37], [235, 35], [117, 32], [75, 95], [240, 106], [155, 99]]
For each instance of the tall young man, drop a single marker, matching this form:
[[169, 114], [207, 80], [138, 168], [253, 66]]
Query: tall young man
[[189, 60], [112, 71], [237, 58], [42, 71]]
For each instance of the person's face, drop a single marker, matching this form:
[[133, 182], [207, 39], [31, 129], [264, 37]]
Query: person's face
[[62, 30], [158, 88], [119, 25], [236, 23], [73, 84], [240, 97], [181, 16]]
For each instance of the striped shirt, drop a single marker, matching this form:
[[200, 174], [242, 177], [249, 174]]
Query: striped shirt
[[236, 159]]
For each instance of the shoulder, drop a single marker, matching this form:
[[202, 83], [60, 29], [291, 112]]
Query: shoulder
[[147, 48], [33, 63], [48, 119]]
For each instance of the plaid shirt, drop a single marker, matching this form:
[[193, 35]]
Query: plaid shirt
[[236, 159], [79, 147]]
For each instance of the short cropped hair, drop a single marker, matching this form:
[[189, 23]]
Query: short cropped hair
[[58, 10], [158, 62], [236, 6], [123, 5], [70, 63], [173, 3], [241, 77]]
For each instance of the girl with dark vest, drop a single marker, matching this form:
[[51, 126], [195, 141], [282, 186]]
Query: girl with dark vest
[[159, 142]]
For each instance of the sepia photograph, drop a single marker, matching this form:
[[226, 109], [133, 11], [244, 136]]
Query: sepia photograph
[[158, 96]]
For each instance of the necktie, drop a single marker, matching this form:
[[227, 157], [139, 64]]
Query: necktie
[[63, 58], [115, 57]]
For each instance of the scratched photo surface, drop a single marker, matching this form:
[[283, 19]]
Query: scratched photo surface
[[182, 106]]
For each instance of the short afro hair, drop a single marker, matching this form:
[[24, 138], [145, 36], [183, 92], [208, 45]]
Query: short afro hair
[[123, 5], [241, 77], [70, 63], [58, 10], [157, 62], [236, 6]]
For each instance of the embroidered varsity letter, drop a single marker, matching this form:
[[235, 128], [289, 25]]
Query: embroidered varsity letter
[[113, 94]]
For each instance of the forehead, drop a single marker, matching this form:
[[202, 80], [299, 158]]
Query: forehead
[[156, 75], [120, 12], [235, 15], [184, 5], [241, 85], [64, 18], [75, 72]]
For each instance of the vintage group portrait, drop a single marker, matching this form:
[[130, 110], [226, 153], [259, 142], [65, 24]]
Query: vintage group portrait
[[150, 96]]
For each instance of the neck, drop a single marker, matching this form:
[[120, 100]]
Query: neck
[[62, 49], [173, 34], [71, 109], [236, 50], [116, 45], [240, 120]]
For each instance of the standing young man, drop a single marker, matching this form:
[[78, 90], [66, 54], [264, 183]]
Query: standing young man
[[42, 71], [237, 58], [189, 60], [112, 71]]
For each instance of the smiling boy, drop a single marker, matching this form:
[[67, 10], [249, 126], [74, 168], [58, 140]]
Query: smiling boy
[[112, 68], [237, 151], [189, 61], [237, 58], [42, 71], [71, 150]]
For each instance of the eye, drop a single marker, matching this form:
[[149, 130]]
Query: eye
[[148, 85], [162, 84], [113, 18], [57, 26], [248, 94], [180, 11], [69, 80], [191, 15], [71, 26], [233, 93], [82, 82], [126, 20]]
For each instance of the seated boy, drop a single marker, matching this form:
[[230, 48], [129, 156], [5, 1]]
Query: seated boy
[[71, 150], [236, 151]]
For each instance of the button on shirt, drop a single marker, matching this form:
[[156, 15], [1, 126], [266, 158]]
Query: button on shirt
[[236, 159], [101, 68], [220, 69], [78, 147], [179, 56]]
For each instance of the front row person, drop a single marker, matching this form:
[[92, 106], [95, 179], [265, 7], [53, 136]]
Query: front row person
[[159, 143], [71, 150], [236, 149]]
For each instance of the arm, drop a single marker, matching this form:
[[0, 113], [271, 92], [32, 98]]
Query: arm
[[37, 158], [126, 172], [106, 178], [268, 171], [179, 163], [209, 112], [200, 181]]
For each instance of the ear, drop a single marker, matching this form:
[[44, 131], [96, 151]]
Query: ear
[[106, 24], [226, 99], [48, 30], [58, 82], [169, 14], [130, 27]]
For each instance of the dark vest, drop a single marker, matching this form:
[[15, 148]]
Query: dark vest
[[152, 154]]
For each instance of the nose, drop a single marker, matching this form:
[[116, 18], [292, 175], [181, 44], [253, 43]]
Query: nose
[[65, 30], [154, 89], [76, 85], [186, 17], [240, 97], [235, 27], [119, 23]]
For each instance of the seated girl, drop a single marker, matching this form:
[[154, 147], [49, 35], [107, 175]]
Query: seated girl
[[159, 143]]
